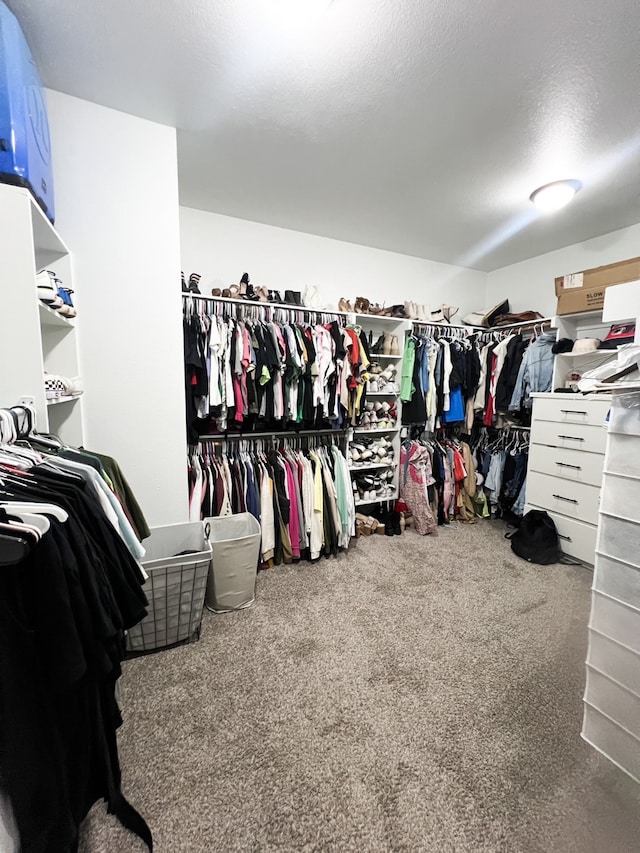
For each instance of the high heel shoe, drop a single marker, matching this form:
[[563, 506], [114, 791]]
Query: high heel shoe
[[244, 281], [345, 305]]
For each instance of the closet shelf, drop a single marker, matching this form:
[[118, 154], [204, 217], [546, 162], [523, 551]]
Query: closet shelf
[[380, 500], [382, 393], [68, 399], [374, 466], [373, 319], [364, 431], [377, 355], [49, 317], [598, 353]]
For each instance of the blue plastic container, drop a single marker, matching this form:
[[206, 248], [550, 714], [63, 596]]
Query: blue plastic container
[[25, 143]]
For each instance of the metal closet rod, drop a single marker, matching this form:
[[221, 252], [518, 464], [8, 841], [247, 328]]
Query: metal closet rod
[[247, 436], [255, 303]]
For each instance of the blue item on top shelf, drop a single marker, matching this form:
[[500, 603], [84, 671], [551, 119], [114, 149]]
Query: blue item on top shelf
[[25, 144]]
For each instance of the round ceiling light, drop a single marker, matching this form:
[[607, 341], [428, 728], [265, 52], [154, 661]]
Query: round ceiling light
[[553, 196]]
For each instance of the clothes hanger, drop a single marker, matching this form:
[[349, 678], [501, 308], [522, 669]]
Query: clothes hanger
[[18, 507]]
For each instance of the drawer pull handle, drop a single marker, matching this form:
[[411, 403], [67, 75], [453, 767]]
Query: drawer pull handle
[[573, 412], [571, 437], [566, 538], [568, 500], [566, 465]]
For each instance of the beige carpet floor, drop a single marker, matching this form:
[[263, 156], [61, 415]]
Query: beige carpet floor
[[415, 694]]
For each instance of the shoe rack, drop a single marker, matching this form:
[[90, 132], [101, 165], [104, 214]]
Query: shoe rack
[[35, 338], [374, 444]]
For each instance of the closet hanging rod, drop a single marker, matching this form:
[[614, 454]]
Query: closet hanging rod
[[255, 303], [543, 321], [247, 436]]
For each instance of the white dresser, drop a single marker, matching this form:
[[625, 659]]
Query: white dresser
[[612, 693], [566, 457]]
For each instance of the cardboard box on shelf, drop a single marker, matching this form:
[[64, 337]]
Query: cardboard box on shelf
[[584, 291]]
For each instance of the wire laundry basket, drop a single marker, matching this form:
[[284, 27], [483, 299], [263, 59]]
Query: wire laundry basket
[[175, 588]]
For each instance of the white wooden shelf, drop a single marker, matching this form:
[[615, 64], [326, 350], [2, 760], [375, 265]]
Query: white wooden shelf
[[365, 431], [598, 353], [48, 245], [376, 355], [51, 317], [382, 393], [380, 500], [68, 399], [374, 466]]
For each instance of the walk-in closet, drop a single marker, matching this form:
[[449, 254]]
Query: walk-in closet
[[319, 427]]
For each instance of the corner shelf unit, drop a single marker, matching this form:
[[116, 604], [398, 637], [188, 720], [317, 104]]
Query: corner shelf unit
[[586, 324], [376, 325], [35, 338]]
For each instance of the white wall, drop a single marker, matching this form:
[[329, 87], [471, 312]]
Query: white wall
[[530, 284], [221, 248], [116, 189]]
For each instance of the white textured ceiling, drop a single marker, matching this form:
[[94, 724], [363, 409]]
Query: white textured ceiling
[[419, 126]]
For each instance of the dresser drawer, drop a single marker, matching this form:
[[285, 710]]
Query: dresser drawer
[[571, 410], [591, 439], [568, 464], [577, 539], [577, 500]]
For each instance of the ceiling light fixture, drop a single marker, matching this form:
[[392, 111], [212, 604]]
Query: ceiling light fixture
[[552, 197]]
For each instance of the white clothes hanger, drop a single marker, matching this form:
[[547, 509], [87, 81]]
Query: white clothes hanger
[[36, 508]]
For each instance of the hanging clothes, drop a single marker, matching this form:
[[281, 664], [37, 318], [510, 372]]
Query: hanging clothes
[[64, 606], [303, 499], [262, 373]]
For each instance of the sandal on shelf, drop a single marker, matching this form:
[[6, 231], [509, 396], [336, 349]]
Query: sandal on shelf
[[345, 305], [361, 305], [263, 294]]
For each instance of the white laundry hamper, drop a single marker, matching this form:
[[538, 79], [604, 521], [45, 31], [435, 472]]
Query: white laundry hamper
[[175, 587], [235, 549]]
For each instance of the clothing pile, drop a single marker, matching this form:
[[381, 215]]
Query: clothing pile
[[302, 499], [437, 482], [70, 585]]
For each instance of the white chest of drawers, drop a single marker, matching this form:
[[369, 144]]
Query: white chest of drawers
[[612, 693], [566, 456]]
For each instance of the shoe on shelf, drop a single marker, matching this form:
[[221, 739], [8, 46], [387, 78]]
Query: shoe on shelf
[[361, 305], [185, 287], [345, 305], [216, 291], [449, 311], [378, 347], [386, 346], [66, 309], [395, 345], [194, 280]]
